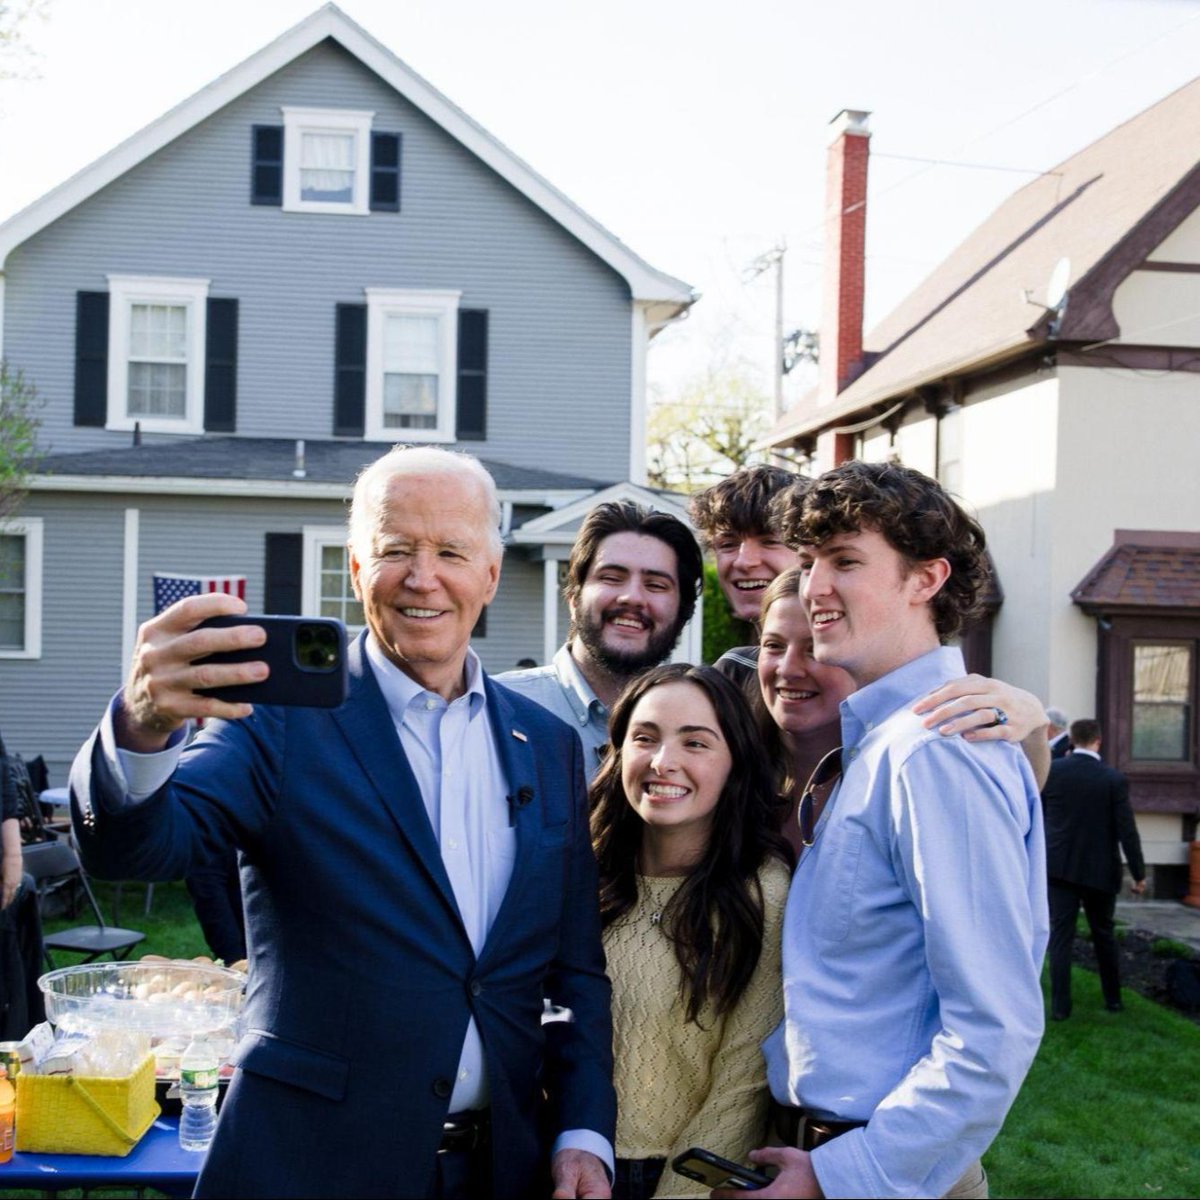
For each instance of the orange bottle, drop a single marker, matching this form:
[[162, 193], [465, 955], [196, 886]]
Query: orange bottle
[[8, 1116]]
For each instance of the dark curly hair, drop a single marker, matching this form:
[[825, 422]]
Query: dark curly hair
[[741, 502], [914, 513], [715, 919], [624, 516]]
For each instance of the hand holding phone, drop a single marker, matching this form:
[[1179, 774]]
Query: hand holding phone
[[716, 1172], [306, 657]]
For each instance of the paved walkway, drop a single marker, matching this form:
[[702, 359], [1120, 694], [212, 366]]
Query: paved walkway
[[1163, 918]]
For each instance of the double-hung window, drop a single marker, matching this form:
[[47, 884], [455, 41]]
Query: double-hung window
[[326, 590], [21, 588], [156, 337], [412, 346], [327, 160]]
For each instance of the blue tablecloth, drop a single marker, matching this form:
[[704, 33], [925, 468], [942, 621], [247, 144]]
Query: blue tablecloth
[[156, 1162]]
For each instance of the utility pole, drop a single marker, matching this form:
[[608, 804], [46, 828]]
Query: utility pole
[[764, 262]]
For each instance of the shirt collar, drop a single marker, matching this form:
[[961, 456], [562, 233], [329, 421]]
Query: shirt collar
[[577, 689], [400, 690], [866, 708], [1089, 753]]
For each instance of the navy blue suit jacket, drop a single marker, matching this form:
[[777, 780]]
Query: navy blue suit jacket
[[362, 977]]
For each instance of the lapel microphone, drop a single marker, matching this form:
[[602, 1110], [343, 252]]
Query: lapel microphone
[[523, 797]]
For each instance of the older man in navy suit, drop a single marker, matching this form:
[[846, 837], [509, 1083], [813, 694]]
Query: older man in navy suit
[[416, 868]]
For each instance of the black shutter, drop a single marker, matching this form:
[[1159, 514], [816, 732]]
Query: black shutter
[[472, 374], [220, 367], [350, 371], [385, 172], [266, 164], [284, 564], [91, 358]]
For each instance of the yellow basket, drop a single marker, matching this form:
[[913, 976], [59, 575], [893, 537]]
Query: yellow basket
[[79, 1114]]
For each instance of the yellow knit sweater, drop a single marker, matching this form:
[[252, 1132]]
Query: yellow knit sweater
[[680, 1084]]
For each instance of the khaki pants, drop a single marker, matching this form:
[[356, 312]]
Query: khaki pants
[[972, 1185]]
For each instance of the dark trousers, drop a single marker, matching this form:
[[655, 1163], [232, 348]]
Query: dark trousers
[[1098, 907], [637, 1178]]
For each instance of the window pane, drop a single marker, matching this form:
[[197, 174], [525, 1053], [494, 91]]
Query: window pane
[[1162, 677], [336, 593], [157, 390], [327, 167], [12, 591], [410, 401], [158, 331], [410, 344], [12, 562]]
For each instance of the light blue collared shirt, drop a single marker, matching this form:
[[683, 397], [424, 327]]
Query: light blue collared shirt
[[562, 689], [912, 946]]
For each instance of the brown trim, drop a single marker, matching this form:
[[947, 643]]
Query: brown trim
[[1181, 268], [1089, 315], [1133, 358]]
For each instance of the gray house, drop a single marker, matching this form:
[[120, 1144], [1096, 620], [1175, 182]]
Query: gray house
[[230, 313]]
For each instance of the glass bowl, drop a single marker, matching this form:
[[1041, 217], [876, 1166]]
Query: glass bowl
[[162, 999]]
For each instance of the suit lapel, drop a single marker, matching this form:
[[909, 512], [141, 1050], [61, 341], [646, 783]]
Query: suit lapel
[[515, 742], [367, 726]]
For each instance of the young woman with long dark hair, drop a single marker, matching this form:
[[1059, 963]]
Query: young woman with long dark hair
[[693, 881]]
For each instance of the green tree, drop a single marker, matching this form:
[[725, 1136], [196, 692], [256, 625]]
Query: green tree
[[708, 430], [19, 404], [721, 631]]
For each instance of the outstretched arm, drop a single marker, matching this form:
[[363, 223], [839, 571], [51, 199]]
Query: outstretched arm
[[973, 707]]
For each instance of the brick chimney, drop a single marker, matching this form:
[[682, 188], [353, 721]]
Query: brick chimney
[[845, 252]]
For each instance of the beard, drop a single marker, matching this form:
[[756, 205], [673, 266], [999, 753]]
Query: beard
[[623, 663]]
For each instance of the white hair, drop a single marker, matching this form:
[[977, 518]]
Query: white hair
[[371, 487], [1057, 717]]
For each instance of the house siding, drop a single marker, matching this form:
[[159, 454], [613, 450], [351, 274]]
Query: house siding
[[560, 333]]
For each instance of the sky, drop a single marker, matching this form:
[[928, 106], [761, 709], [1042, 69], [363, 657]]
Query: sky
[[694, 130]]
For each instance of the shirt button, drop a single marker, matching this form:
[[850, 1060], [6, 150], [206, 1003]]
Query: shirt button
[[430, 705], [854, 752], [464, 1074], [453, 844]]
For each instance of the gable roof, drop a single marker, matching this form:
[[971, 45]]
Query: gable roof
[[1104, 209], [560, 527], [647, 284]]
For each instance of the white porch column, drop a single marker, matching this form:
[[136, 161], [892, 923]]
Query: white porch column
[[549, 609], [129, 580]]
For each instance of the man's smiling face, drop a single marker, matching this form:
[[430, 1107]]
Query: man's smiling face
[[627, 612], [867, 606], [431, 568], [746, 564]]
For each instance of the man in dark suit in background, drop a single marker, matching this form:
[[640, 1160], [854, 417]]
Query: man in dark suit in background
[[1088, 822], [417, 872]]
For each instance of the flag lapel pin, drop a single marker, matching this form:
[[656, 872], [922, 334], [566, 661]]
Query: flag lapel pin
[[519, 736]]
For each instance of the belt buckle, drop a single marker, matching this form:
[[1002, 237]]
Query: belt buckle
[[461, 1137]]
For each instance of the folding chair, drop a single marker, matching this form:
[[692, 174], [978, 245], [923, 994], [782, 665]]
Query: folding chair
[[50, 861]]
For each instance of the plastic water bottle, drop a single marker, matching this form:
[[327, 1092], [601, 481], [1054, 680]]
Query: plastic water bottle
[[198, 1089]]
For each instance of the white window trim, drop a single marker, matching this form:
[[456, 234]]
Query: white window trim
[[31, 528], [315, 538], [125, 291], [298, 121], [385, 302]]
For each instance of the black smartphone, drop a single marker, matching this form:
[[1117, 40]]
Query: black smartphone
[[716, 1172], [306, 656]]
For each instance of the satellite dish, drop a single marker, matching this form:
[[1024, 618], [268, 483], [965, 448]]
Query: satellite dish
[[1056, 289]]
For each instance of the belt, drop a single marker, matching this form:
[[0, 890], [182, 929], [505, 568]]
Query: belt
[[797, 1128], [465, 1132]]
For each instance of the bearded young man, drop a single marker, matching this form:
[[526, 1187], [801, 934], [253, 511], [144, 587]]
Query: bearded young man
[[632, 583]]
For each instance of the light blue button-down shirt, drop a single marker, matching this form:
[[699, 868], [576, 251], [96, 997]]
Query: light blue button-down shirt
[[912, 946], [561, 688]]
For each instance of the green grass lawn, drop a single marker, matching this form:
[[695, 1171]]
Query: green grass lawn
[[1110, 1108]]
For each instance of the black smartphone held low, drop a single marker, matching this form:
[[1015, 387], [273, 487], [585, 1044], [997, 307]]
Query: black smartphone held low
[[306, 656], [716, 1172]]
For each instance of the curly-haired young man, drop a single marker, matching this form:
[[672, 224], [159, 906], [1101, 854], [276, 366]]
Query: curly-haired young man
[[916, 923]]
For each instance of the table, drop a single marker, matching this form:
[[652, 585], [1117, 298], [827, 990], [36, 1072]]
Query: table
[[155, 1162]]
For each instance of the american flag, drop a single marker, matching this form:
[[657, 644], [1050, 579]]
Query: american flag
[[169, 587]]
